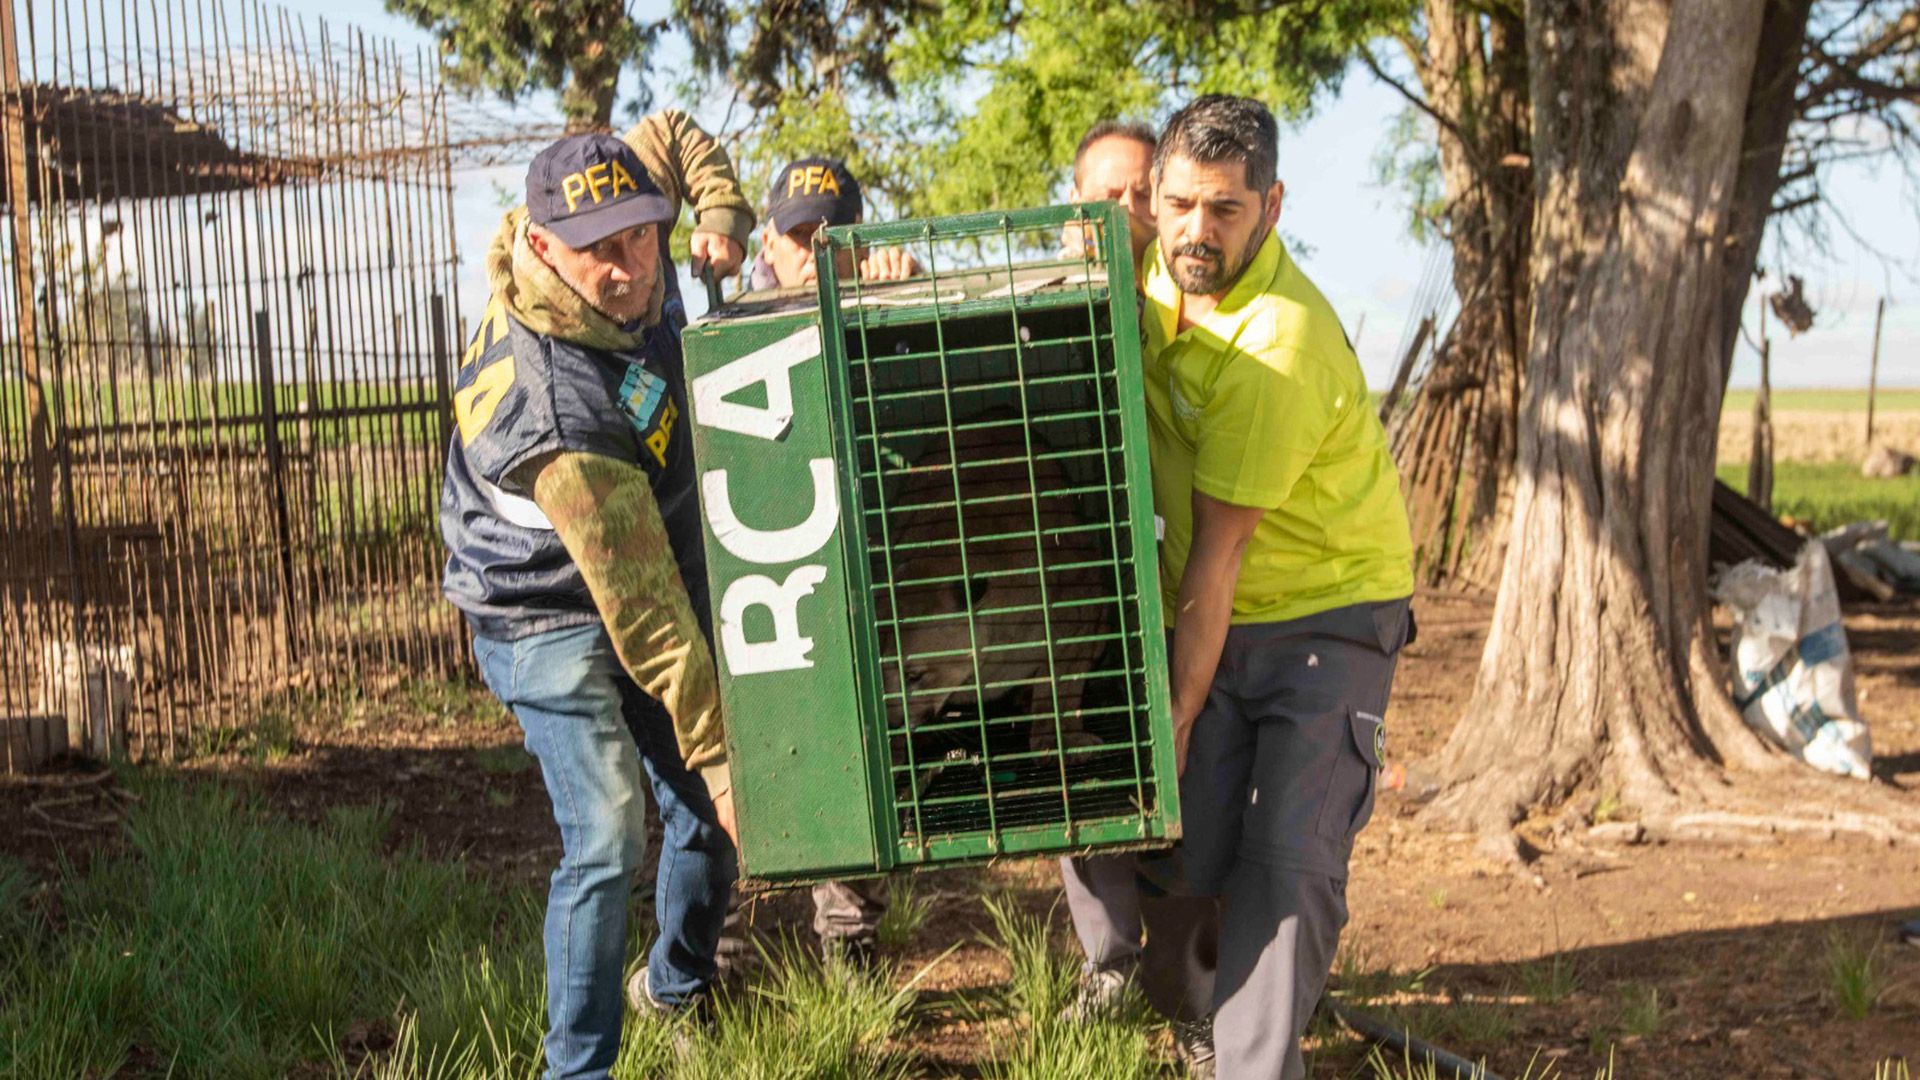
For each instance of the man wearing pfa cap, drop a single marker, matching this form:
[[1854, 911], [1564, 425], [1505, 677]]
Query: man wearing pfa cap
[[807, 194], [576, 556]]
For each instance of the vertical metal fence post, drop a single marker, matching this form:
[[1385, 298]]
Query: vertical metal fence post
[[276, 476]]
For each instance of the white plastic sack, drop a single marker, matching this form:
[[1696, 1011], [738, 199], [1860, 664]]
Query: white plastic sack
[[1792, 674]]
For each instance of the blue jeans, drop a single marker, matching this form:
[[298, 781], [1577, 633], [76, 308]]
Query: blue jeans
[[593, 731]]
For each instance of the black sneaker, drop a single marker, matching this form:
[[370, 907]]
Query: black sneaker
[[1194, 1041], [1910, 931], [858, 955]]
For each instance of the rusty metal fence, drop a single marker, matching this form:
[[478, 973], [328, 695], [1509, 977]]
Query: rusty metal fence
[[225, 328]]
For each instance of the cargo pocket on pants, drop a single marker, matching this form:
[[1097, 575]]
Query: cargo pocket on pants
[[1355, 775]]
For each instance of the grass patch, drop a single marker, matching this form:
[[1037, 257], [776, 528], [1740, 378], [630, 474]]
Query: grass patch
[[799, 1019], [906, 913], [1856, 973], [226, 942], [1551, 980], [1826, 496], [1357, 978], [503, 760], [1381, 1067], [1640, 1011], [1042, 1044]]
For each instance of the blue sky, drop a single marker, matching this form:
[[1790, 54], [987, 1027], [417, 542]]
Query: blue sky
[[1360, 255]]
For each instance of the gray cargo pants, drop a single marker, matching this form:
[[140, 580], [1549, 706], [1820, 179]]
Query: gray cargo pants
[[849, 910], [1242, 920]]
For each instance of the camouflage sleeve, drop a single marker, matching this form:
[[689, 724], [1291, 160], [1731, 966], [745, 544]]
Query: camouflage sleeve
[[605, 513], [691, 166]]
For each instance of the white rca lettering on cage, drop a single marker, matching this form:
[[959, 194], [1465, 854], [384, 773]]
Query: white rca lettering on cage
[[771, 367]]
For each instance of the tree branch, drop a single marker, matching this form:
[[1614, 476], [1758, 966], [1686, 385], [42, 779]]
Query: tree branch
[[1418, 102]]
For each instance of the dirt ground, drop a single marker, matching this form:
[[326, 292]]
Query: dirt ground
[[1687, 959]]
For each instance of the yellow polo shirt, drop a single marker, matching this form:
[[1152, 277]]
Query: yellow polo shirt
[[1262, 403]]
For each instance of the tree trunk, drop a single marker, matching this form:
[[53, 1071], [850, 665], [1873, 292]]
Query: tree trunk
[[592, 79], [1601, 667], [1456, 441]]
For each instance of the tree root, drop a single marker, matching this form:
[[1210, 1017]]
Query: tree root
[[1718, 824]]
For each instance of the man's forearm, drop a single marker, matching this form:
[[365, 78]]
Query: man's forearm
[[606, 515], [1203, 612], [692, 166]]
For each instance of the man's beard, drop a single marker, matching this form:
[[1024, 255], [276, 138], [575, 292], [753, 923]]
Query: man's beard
[[613, 301], [1211, 277]]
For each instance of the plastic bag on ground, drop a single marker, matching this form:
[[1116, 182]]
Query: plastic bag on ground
[[1792, 673]]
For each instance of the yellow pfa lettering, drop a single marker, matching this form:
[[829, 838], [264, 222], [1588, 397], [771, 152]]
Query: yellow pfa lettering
[[492, 325], [621, 176], [812, 180], [574, 186], [473, 406], [597, 179], [663, 435]]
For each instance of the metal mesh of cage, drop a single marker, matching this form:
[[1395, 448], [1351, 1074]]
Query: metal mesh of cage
[[1004, 582], [962, 636]]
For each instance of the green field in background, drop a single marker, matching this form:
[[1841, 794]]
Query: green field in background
[[1827, 496], [1903, 400]]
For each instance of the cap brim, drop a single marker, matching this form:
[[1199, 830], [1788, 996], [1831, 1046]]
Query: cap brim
[[589, 228], [805, 210]]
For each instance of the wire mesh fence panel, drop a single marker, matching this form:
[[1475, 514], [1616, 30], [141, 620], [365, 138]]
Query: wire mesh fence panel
[[1005, 679], [223, 368]]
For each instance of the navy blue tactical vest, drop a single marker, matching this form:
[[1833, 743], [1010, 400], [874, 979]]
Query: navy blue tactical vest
[[521, 395]]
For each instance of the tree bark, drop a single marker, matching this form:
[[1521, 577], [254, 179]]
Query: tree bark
[[1456, 441], [1601, 667]]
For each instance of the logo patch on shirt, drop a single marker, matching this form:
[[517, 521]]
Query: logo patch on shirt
[[1182, 408], [643, 397]]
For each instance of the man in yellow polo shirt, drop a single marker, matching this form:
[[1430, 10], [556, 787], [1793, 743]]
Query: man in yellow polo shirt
[[1287, 569]]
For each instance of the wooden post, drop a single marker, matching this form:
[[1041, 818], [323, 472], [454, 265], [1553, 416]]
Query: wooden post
[[1873, 372], [1400, 377], [39, 442], [1760, 459]]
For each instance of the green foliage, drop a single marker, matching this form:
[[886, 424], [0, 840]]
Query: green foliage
[[578, 47], [950, 108], [879, 139], [1856, 974], [1409, 160], [1551, 980], [1639, 1010], [906, 913]]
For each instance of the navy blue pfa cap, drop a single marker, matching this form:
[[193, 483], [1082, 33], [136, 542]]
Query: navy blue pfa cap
[[585, 188], [813, 189]]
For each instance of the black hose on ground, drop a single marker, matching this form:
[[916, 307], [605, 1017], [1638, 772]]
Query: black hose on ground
[[1400, 1041]]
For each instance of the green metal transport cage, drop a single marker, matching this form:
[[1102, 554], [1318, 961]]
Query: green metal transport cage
[[930, 545]]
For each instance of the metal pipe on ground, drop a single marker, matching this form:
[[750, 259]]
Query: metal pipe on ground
[[1400, 1041]]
